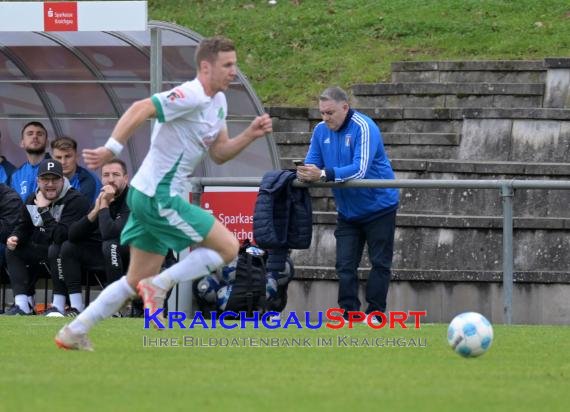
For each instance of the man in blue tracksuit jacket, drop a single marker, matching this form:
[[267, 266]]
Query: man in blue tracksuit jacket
[[348, 145], [34, 141]]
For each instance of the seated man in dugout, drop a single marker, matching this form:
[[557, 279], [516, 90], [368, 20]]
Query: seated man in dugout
[[64, 150], [41, 229], [10, 209], [6, 168], [94, 240]]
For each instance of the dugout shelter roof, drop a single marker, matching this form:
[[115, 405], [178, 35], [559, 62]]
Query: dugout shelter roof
[[79, 83]]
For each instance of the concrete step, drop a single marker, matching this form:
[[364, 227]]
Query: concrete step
[[416, 119], [390, 138], [439, 275], [469, 167], [471, 202], [437, 248], [473, 95], [421, 139], [294, 145], [494, 168], [519, 135], [415, 220], [492, 71]]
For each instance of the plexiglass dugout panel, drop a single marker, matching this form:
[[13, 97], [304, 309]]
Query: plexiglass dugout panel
[[79, 84]]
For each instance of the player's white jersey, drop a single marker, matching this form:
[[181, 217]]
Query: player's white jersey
[[188, 123]]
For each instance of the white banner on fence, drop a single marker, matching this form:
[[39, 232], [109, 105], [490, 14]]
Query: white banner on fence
[[73, 16]]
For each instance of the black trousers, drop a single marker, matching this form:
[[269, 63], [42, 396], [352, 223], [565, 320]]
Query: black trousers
[[109, 256], [24, 264], [350, 240]]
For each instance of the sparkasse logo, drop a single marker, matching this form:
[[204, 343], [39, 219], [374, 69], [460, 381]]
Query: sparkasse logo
[[60, 16]]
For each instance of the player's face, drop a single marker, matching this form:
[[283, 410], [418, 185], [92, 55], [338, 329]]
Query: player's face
[[333, 113], [112, 174], [34, 140], [223, 71], [68, 159], [50, 186]]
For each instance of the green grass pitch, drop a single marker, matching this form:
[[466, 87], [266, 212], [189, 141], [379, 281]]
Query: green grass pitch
[[527, 368]]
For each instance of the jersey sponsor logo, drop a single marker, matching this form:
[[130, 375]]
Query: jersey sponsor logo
[[208, 140], [175, 94]]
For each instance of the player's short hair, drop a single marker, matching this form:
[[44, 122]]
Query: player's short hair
[[117, 161], [334, 93], [64, 143], [209, 48], [36, 124]]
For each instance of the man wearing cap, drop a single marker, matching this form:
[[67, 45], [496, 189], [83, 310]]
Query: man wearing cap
[[38, 235]]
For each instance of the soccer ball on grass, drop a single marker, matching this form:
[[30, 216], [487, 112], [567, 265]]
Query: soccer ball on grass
[[470, 334]]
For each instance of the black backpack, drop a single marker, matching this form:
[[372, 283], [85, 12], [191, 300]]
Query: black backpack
[[278, 302], [245, 289], [248, 288]]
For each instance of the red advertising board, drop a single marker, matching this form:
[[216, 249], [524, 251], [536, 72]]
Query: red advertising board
[[233, 206], [60, 16]]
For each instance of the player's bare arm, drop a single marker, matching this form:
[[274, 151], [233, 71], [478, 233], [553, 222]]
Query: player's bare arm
[[129, 122], [224, 148]]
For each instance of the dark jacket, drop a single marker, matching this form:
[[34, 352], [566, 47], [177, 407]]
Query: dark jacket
[[42, 227], [283, 214], [283, 217], [107, 226], [10, 210], [6, 170], [87, 183]]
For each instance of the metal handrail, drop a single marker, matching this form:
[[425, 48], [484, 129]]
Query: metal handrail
[[505, 187]]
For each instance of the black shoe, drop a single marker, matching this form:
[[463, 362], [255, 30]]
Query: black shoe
[[53, 312], [355, 319], [71, 313], [136, 312], [16, 311]]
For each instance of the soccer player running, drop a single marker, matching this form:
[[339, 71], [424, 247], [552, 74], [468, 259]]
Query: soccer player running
[[191, 121]]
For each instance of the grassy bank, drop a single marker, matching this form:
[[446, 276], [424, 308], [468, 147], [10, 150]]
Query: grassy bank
[[291, 52]]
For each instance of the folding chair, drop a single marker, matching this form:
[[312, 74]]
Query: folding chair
[[4, 281], [92, 274]]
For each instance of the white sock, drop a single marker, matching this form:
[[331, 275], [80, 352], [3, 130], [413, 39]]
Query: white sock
[[22, 302], [200, 262], [111, 299], [76, 300], [59, 302]]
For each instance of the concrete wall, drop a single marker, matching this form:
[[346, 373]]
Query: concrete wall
[[533, 303]]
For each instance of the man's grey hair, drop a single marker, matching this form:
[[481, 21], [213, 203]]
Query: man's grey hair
[[334, 93]]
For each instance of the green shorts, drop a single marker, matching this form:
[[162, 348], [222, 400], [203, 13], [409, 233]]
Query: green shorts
[[157, 224]]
